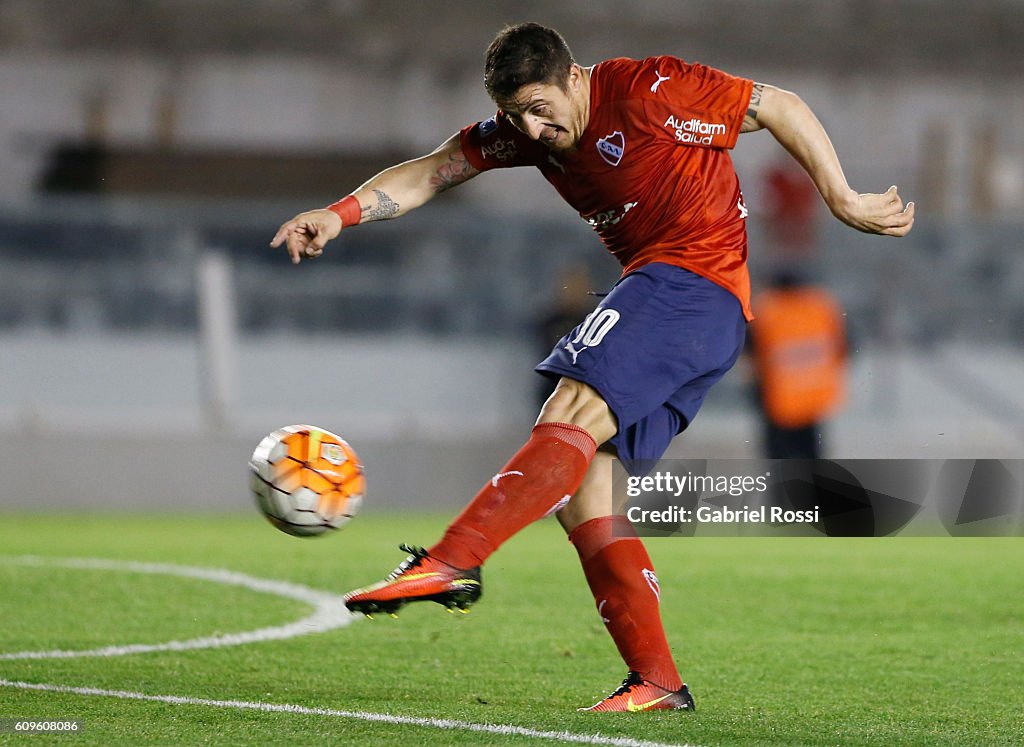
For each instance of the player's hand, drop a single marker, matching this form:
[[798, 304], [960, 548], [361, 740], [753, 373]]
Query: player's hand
[[305, 235], [883, 214]]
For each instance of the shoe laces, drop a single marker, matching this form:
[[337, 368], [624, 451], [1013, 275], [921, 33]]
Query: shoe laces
[[416, 556], [632, 679]]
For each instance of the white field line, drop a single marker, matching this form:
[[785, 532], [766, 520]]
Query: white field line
[[386, 718], [328, 609]]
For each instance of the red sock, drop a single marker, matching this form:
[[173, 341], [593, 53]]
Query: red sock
[[627, 594], [536, 481]]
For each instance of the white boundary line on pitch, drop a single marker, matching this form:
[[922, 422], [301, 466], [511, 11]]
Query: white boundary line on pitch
[[328, 613], [386, 718]]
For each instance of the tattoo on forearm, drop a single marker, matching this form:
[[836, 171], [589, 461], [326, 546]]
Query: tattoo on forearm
[[453, 173], [755, 101], [384, 209]]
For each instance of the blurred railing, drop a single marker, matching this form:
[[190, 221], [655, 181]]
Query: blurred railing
[[943, 282], [451, 271], [76, 265], [116, 318]]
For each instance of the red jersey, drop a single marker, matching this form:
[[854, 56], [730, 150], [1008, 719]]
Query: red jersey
[[652, 173]]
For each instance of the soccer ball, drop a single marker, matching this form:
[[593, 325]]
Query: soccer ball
[[306, 480]]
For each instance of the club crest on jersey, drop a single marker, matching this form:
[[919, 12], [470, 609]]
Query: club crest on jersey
[[611, 147]]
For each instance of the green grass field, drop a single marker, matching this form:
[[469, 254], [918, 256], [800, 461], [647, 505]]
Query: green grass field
[[782, 640]]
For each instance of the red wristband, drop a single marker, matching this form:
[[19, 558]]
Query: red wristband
[[348, 210]]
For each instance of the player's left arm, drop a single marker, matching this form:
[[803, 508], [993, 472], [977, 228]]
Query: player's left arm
[[793, 124]]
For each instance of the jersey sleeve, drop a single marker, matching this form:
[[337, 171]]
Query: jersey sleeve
[[698, 105], [495, 143]]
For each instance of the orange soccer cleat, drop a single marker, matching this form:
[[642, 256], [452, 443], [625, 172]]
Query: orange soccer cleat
[[636, 694], [419, 578]]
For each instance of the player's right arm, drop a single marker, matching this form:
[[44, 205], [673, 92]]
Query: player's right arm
[[390, 194], [798, 130]]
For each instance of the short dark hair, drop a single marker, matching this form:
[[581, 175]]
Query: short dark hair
[[526, 53]]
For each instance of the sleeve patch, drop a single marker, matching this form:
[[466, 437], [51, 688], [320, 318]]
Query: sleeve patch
[[488, 126]]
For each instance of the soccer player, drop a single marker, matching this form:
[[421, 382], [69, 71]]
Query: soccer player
[[640, 148]]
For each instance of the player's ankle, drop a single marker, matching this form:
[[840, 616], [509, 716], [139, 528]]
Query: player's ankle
[[461, 547], [666, 679]]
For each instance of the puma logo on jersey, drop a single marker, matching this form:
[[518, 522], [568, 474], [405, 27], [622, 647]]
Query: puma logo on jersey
[[554, 162], [744, 212], [661, 79]]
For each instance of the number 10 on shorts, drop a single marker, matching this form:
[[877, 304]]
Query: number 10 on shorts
[[593, 330]]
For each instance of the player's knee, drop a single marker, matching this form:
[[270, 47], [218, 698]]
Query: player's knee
[[580, 510], [569, 398], [579, 404], [570, 517]]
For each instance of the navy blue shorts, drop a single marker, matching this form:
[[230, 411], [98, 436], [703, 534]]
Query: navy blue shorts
[[652, 349]]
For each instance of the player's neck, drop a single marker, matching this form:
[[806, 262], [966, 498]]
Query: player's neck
[[582, 104]]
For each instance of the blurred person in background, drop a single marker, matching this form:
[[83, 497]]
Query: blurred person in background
[[572, 300], [640, 149], [799, 354], [791, 209]]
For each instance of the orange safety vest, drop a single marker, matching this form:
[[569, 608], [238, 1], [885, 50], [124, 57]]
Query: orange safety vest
[[799, 343]]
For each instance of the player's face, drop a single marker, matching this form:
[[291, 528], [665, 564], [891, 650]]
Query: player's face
[[546, 113]]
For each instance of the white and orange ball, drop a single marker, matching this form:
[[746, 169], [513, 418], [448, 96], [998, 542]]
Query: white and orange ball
[[306, 481]]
